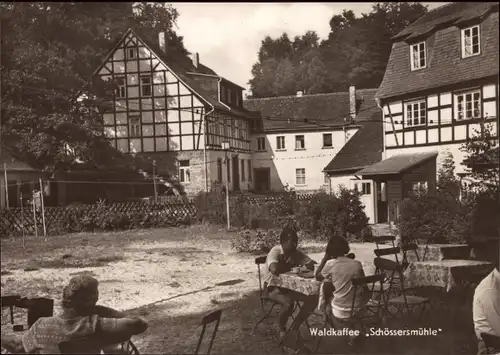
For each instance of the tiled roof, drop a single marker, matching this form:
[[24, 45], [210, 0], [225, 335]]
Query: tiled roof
[[319, 110], [445, 65], [182, 65], [365, 147], [14, 164], [397, 164]]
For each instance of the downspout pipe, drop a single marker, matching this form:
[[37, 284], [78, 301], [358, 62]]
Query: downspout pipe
[[205, 124], [379, 105]]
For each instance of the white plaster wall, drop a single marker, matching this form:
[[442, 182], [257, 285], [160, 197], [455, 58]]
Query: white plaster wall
[[314, 158]]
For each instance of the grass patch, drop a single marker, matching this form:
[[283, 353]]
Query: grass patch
[[73, 262]]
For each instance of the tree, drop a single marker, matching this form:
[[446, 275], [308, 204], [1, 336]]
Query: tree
[[355, 53], [447, 182], [284, 83], [49, 53]]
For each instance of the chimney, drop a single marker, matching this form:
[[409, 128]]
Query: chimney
[[299, 93], [196, 59], [162, 42], [352, 102]]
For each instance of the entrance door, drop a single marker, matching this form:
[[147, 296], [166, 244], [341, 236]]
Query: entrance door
[[381, 202], [236, 174], [262, 179], [366, 188]]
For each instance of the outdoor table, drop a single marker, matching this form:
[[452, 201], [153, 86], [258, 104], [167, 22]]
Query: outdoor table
[[437, 252], [304, 283], [447, 274]]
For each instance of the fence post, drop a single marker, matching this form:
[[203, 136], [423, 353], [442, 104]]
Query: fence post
[[22, 220], [34, 217], [43, 210]]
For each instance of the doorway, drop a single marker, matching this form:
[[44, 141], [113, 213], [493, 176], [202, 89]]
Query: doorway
[[236, 174], [366, 189], [262, 179]]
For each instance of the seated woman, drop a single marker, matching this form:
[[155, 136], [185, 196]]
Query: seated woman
[[80, 318], [340, 269]]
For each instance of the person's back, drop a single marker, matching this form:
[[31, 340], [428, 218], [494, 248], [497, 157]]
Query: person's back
[[81, 320], [341, 271]]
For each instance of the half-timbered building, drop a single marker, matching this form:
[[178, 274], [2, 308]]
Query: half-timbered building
[[439, 88], [177, 113]]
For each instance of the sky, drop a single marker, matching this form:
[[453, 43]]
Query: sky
[[227, 36]]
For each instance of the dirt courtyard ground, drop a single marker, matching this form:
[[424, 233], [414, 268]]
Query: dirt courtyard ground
[[171, 277]]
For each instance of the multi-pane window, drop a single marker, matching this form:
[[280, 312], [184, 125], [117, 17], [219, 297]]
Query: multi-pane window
[[470, 41], [363, 188], [121, 87], [249, 170], [468, 105], [415, 113], [135, 126], [219, 170], [184, 172], [300, 176], [280, 142], [222, 93], [418, 56], [261, 144], [131, 53], [145, 85], [229, 96], [242, 170], [327, 140], [300, 142]]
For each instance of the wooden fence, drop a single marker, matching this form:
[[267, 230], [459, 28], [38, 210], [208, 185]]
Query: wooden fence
[[175, 208], [13, 220]]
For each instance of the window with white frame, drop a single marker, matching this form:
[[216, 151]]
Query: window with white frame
[[121, 87], [261, 144], [327, 140], [280, 142], [418, 56], [364, 188], [300, 176], [184, 172], [468, 105], [300, 142], [471, 43], [145, 85], [415, 113], [135, 126]]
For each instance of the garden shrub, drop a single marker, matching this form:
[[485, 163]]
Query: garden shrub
[[255, 241]]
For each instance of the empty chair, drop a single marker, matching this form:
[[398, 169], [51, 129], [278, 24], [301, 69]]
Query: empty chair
[[394, 272], [213, 317], [382, 239], [407, 248]]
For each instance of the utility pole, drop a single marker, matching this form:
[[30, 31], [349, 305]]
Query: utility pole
[[225, 146], [154, 181]]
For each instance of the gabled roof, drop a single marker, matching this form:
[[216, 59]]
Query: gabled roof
[[181, 66], [397, 164], [306, 112], [13, 164], [365, 147], [445, 65]]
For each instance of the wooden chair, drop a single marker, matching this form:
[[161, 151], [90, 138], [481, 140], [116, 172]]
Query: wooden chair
[[371, 313], [402, 301], [410, 247], [492, 342], [264, 299], [79, 346], [213, 317], [89, 346], [10, 302], [382, 239]]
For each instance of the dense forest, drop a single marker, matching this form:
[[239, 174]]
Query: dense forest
[[355, 53]]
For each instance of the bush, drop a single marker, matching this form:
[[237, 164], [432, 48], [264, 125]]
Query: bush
[[255, 241]]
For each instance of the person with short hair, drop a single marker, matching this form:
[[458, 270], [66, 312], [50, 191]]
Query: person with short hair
[[282, 258], [340, 268], [486, 305], [80, 318]]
